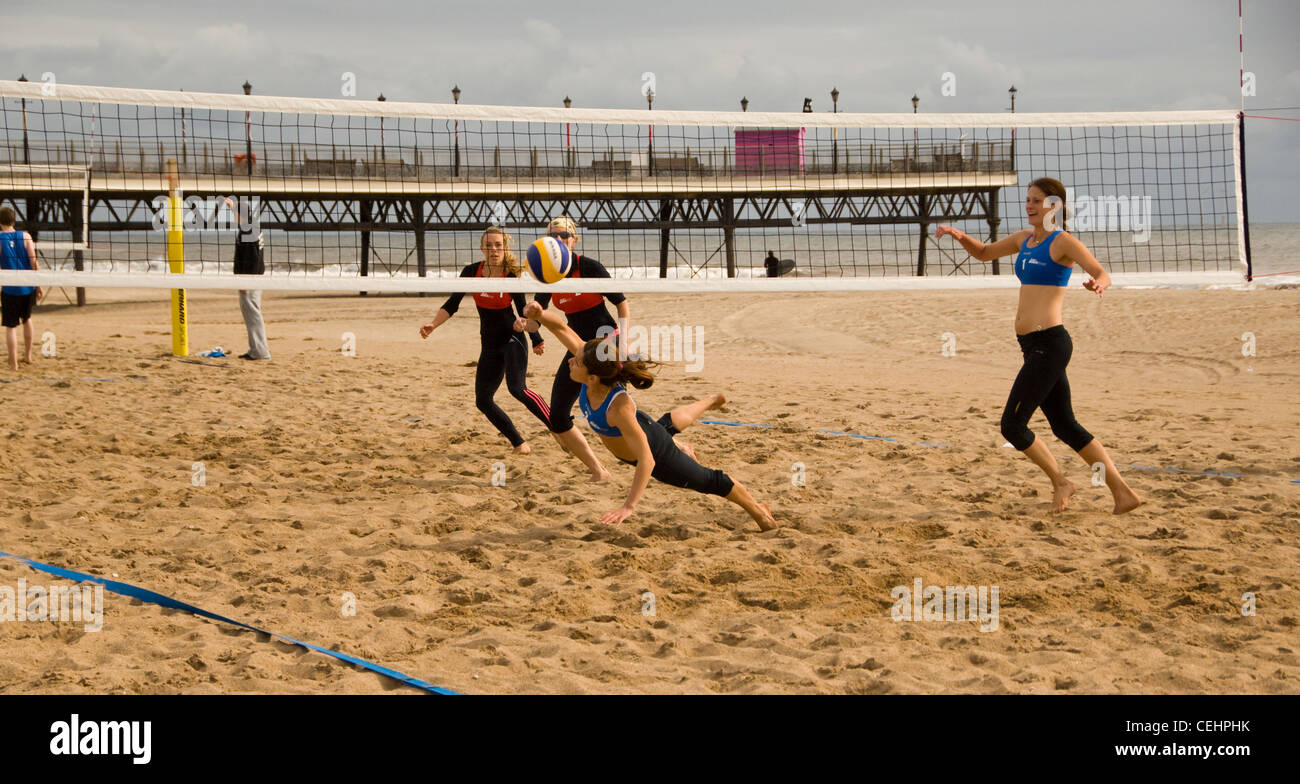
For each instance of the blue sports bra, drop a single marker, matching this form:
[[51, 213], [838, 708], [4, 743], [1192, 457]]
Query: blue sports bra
[[1034, 266], [596, 418]]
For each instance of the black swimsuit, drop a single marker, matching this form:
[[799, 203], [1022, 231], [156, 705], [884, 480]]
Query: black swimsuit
[[672, 465]]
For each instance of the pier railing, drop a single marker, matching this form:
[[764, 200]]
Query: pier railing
[[460, 163]]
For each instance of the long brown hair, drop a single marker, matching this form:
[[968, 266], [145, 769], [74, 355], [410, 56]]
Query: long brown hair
[[508, 258], [1052, 187], [633, 370]]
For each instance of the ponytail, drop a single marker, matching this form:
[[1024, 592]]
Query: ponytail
[[633, 370]]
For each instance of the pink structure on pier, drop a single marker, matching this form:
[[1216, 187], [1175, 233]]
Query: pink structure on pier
[[770, 150]]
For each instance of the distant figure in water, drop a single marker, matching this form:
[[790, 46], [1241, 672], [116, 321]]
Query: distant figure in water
[[777, 267]]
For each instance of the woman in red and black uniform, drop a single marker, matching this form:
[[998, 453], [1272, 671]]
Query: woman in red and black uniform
[[505, 353], [587, 315]]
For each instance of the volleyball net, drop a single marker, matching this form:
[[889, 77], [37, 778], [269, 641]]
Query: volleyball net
[[351, 194]]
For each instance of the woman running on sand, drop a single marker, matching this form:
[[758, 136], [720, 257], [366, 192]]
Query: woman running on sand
[[504, 353], [1046, 256], [633, 436]]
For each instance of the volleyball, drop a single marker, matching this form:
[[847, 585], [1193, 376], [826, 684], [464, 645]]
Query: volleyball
[[549, 260]]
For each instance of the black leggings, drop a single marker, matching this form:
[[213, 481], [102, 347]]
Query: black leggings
[[1042, 384], [564, 393], [509, 361], [675, 467]]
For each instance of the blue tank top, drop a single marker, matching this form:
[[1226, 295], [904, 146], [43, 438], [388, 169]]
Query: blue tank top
[[596, 418], [13, 256], [1034, 266]]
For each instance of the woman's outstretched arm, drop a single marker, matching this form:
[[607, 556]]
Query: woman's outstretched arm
[[984, 251], [557, 327], [1075, 251], [622, 414]]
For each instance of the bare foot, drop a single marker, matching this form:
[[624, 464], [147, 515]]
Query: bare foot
[[523, 449], [767, 522], [1061, 496], [27, 360], [685, 447], [719, 402], [1126, 502], [600, 475]]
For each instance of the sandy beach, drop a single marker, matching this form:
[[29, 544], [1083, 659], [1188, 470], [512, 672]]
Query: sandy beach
[[371, 475]]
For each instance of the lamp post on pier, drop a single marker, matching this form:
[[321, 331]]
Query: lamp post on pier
[[649, 107], [248, 132], [26, 153], [568, 144], [1012, 92], [835, 132], [455, 98], [383, 152], [916, 137]]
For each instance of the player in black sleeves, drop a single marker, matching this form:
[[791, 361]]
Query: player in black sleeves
[[586, 315], [505, 352]]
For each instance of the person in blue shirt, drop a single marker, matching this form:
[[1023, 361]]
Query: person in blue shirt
[[631, 435], [17, 252], [1046, 256]]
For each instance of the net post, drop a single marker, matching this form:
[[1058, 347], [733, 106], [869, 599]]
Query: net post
[[923, 210], [994, 222], [1243, 213], [176, 261], [365, 240], [729, 234], [665, 215], [417, 218], [78, 216]]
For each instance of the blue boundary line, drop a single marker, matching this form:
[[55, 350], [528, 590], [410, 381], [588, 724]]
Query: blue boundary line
[[859, 435], [734, 424], [145, 595]]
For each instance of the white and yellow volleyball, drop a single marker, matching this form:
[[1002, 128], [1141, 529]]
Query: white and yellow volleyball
[[549, 260]]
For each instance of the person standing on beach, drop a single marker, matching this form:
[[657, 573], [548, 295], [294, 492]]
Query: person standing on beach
[[1046, 257], [587, 316], [504, 352], [249, 261], [17, 252]]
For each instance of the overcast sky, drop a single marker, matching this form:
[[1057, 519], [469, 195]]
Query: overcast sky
[[1061, 56]]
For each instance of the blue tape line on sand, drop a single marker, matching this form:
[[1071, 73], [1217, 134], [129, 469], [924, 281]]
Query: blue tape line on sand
[[145, 595], [858, 435], [734, 424]]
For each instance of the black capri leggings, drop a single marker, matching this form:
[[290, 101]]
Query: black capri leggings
[[675, 467], [564, 393], [510, 362], [1042, 384]]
